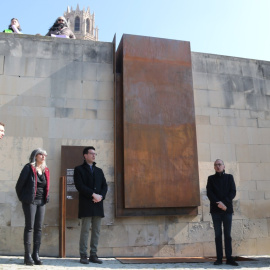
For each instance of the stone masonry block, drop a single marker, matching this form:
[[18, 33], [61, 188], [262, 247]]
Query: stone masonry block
[[189, 250], [256, 102], [200, 232], [228, 112], [200, 81], [130, 251], [210, 134], [105, 91], [99, 53], [5, 239], [263, 246], [2, 197], [201, 98], [105, 73], [202, 120], [261, 86], [259, 136], [18, 219], [209, 248], [244, 209], [263, 123], [19, 66], [2, 64], [17, 86], [237, 229], [234, 122], [48, 67], [40, 88], [105, 114], [235, 135], [89, 71], [267, 195], [250, 68], [223, 66], [50, 241], [263, 185], [90, 90], [137, 235], [209, 111], [108, 239], [74, 89], [255, 228], [72, 246], [246, 247], [178, 233], [252, 153], [198, 62], [5, 214], [16, 239], [203, 151], [244, 113], [74, 70], [166, 251], [223, 151], [52, 210], [262, 209]]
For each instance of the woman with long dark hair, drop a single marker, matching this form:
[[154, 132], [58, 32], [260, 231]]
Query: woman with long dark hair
[[60, 29], [33, 191]]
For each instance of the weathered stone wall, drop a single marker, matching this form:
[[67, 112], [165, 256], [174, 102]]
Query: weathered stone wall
[[232, 100], [57, 92]]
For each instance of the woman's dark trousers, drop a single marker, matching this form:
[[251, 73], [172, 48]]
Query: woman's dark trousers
[[34, 216]]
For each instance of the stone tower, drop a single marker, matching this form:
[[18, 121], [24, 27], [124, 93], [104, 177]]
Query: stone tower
[[82, 23]]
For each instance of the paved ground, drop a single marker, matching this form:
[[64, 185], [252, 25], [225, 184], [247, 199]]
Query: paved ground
[[16, 262]]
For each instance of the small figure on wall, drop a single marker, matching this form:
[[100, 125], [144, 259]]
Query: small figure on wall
[[60, 29], [14, 27], [2, 130]]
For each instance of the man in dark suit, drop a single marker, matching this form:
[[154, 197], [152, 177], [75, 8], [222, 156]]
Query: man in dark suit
[[221, 191], [91, 184]]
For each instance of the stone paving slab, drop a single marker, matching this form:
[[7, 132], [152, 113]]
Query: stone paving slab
[[16, 263]]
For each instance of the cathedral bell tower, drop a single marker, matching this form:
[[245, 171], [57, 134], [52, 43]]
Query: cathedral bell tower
[[82, 23]]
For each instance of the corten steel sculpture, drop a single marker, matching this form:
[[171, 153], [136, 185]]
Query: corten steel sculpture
[[156, 163]]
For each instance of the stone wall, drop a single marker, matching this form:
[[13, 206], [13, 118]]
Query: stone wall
[[57, 92], [232, 101]]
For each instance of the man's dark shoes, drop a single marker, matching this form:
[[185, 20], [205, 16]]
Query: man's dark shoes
[[84, 260], [232, 262], [218, 262], [95, 259]]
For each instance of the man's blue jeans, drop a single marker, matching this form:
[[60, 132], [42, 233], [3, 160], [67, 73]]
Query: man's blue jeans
[[226, 219]]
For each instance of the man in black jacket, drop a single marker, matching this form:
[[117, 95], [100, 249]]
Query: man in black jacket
[[91, 184], [221, 191]]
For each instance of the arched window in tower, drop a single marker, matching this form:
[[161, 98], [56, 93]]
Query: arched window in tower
[[77, 24], [87, 25]]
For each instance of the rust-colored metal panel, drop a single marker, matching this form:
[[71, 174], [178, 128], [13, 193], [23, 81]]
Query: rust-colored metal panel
[[159, 134], [71, 156]]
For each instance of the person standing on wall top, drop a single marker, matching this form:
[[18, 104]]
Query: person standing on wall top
[[33, 191], [2, 130], [14, 27], [92, 186], [221, 191], [60, 29]]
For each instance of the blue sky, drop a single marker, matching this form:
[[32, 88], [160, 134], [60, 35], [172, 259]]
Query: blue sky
[[239, 28]]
